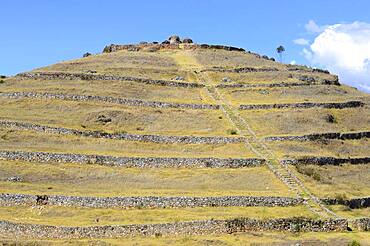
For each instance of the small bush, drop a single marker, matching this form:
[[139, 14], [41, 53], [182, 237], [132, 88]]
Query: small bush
[[2, 77], [232, 132], [330, 118], [2, 81], [354, 243]]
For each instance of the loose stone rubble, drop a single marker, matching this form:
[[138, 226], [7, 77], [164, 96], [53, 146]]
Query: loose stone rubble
[[140, 162], [146, 201]]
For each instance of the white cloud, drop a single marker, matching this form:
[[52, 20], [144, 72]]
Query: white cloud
[[293, 62], [344, 49], [312, 27], [301, 41]]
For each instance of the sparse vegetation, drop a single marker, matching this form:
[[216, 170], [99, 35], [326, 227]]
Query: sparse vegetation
[[354, 243], [341, 182], [232, 132]]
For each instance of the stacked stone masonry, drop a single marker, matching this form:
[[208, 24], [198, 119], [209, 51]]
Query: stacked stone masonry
[[326, 161], [363, 202], [140, 162], [146, 202], [240, 70], [362, 224], [84, 76], [121, 136], [318, 136], [105, 99], [154, 47], [178, 228], [336, 105], [267, 85]]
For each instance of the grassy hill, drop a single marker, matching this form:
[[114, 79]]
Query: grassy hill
[[186, 121]]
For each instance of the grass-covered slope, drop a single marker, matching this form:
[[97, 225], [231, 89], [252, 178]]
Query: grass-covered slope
[[224, 78]]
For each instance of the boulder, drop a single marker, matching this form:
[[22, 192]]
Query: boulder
[[226, 80], [174, 39], [15, 179], [187, 41], [179, 78]]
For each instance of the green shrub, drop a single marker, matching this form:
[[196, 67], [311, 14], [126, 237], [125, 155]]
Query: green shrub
[[354, 243], [2, 81], [232, 132]]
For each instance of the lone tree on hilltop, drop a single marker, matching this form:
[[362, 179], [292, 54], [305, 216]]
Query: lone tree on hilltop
[[280, 51]]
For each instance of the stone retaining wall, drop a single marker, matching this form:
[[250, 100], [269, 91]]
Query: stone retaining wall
[[337, 105], [271, 85], [121, 136], [105, 99], [326, 161], [200, 227], [362, 224], [146, 202], [240, 69], [318, 136], [154, 47], [84, 76], [363, 202], [141, 162]]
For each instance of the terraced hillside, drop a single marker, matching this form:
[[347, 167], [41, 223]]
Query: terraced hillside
[[177, 140]]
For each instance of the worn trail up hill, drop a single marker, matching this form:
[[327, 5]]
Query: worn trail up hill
[[180, 139]]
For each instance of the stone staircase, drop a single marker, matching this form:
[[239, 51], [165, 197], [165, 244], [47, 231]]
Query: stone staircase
[[279, 169]]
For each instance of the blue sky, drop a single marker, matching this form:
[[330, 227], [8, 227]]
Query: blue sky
[[39, 32]]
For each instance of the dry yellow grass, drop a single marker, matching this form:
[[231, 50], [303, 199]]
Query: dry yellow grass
[[142, 120], [345, 181], [333, 148], [306, 121], [320, 93], [38, 141], [346, 212], [252, 238], [119, 89], [95, 180], [64, 216]]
